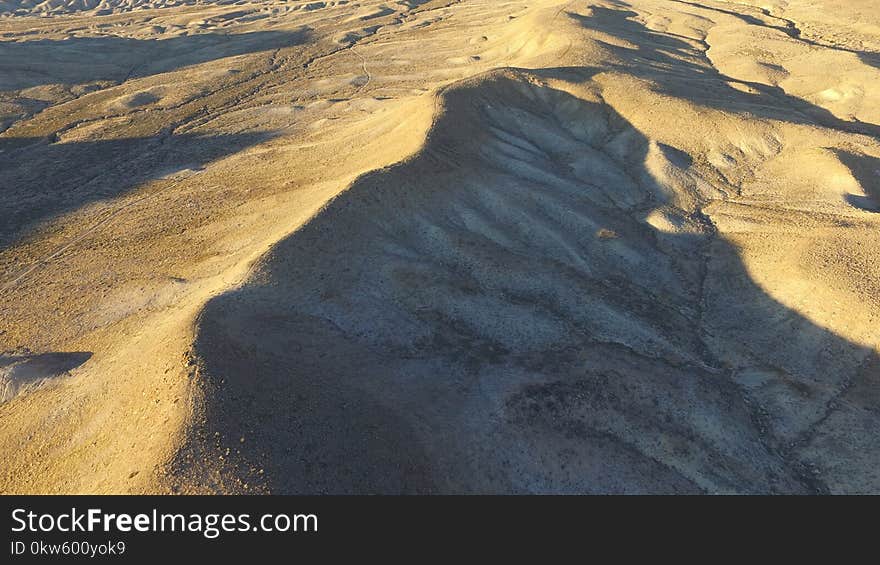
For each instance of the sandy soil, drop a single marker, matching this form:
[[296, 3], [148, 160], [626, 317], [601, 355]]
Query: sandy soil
[[440, 246]]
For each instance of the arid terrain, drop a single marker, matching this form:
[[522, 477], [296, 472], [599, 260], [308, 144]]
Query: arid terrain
[[440, 246]]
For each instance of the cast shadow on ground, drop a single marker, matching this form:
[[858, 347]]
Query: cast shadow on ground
[[866, 170], [56, 178], [868, 57], [81, 60], [20, 372], [653, 59]]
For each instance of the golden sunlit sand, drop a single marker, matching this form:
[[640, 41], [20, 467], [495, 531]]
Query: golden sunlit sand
[[437, 246]]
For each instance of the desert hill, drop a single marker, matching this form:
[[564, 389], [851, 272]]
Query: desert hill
[[440, 246]]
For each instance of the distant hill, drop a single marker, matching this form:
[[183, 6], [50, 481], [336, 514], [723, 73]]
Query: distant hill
[[56, 7]]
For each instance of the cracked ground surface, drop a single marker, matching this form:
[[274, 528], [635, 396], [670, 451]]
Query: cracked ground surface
[[441, 247]]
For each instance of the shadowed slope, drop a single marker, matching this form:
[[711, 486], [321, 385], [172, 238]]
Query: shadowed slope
[[495, 315]]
